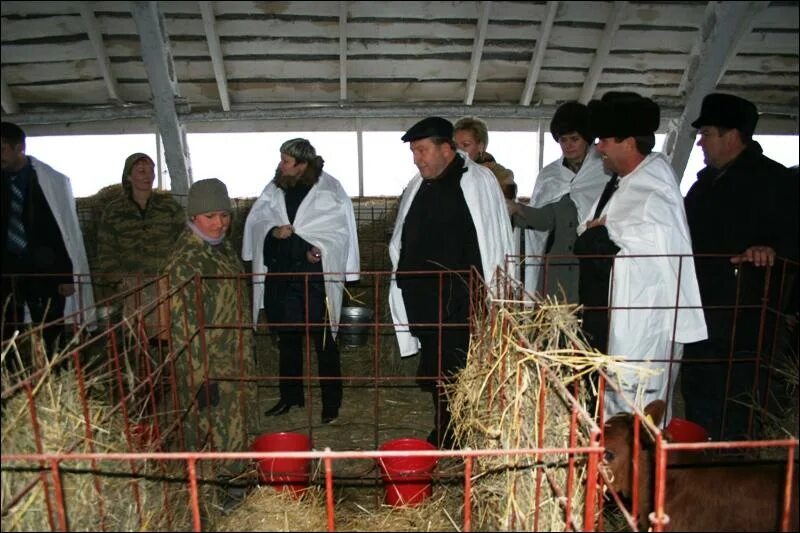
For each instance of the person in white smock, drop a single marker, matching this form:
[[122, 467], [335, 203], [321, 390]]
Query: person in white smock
[[41, 235], [650, 284], [303, 223], [564, 191], [451, 220]]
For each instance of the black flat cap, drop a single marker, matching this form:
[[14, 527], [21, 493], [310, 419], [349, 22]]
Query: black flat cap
[[728, 111], [429, 127], [623, 114]]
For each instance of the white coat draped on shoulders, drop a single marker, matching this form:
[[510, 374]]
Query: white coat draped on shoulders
[[653, 271], [487, 207], [78, 308], [325, 219], [554, 181]]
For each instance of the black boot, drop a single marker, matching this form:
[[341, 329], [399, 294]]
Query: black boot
[[281, 408], [329, 414]]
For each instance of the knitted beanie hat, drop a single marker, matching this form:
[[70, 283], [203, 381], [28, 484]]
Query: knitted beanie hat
[[206, 196]]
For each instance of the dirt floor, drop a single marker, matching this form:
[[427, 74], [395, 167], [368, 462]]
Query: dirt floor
[[371, 413]]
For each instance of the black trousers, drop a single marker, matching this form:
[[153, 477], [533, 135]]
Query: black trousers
[[725, 414], [45, 305], [433, 374], [292, 353]]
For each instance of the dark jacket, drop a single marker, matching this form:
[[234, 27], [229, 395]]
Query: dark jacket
[[46, 252], [285, 296], [748, 203]]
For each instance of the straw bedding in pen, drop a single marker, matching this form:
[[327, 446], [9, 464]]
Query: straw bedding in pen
[[96, 496], [267, 509]]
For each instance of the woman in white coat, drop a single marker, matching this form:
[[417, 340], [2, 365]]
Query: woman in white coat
[[303, 223], [565, 190]]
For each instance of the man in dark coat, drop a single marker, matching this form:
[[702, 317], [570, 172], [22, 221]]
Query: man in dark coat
[[741, 207], [451, 219], [32, 245]]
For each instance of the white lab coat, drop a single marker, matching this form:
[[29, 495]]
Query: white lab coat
[[646, 216], [489, 213], [57, 191], [554, 181], [326, 220]]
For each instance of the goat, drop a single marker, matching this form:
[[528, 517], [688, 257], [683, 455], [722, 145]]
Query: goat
[[699, 497]]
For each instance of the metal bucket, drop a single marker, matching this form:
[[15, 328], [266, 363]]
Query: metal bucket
[[354, 325]]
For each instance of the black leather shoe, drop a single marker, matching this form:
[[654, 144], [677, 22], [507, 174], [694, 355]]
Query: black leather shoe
[[447, 442], [280, 408], [329, 415], [432, 438]]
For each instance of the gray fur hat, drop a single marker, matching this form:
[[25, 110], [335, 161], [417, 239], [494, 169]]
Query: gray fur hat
[[207, 196], [300, 149]]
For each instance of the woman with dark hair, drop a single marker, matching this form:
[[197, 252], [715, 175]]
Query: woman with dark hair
[[303, 223]]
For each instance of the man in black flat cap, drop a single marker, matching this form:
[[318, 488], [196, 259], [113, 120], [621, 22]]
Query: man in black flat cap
[[451, 218], [743, 206], [639, 222]]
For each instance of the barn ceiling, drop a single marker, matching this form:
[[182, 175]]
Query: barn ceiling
[[80, 67]]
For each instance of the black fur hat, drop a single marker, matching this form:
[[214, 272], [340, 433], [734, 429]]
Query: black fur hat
[[728, 111], [569, 117], [623, 114]]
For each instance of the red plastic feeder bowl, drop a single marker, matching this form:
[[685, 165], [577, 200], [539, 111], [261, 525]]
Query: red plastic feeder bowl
[[284, 473], [680, 430], [407, 480]]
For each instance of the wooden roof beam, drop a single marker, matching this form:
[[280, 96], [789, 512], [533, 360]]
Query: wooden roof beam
[[477, 51], [215, 51], [754, 11], [721, 32], [538, 53], [343, 51], [694, 55], [99, 47], [160, 68], [596, 69], [7, 98]]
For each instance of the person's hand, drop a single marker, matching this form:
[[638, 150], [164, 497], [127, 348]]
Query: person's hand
[[313, 255], [760, 256], [283, 232], [596, 222], [513, 207], [66, 289]]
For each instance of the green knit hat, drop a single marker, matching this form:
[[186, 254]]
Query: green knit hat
[[206, 196]]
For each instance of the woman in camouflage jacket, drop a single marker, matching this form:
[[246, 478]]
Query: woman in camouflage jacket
[[211, 360]]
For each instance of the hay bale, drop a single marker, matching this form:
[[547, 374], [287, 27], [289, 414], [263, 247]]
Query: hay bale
[[496, 404], [89, 211], [781, 419]]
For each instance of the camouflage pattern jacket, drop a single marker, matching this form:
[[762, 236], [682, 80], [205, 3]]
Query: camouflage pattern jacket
[[228, 350], [132, 240]]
